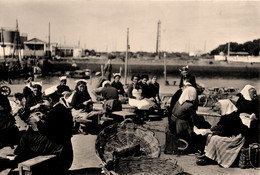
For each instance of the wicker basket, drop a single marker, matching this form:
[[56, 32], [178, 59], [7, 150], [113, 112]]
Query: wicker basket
[[124, 136]]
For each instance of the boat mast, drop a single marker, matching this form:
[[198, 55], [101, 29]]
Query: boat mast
[[49, 37], [158, 40], [3, 45], [126, 56]]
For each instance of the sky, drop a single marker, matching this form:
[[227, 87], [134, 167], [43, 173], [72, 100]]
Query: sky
[[102, 25]]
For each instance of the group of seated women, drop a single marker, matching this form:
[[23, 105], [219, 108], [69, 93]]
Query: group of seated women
[[50, 126], [223, 142], [144, 95]]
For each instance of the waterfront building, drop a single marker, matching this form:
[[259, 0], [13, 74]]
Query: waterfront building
[[38, 48], [9, 41], [65, 50]]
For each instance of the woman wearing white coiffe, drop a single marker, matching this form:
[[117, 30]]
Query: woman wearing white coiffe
[[248, 107], [226, 138]]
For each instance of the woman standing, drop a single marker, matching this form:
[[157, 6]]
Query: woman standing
[[183, 115]]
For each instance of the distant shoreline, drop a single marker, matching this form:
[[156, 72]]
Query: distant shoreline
[[201, 68]]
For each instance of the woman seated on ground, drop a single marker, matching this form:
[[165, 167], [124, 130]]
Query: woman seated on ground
[[28, 89], [34, 102], [17, 104], [248, 106], [119, 86], [226, 138], [154, 88], [135, 96], [62, 87], [146, 92], [49, 135], [183, 115], [110, 96], [80, 99]]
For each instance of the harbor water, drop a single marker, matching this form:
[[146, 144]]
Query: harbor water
[[207, 82]]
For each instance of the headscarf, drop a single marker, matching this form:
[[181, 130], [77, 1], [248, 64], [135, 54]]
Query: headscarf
[[184, 68], [117, 74], [188, 94], [50, 90], [245, 92], [63, 78], [105, 83], [227, 107], [81, 81]]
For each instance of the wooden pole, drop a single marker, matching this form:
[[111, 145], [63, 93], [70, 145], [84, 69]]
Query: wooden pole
[[120, 70], [165, 70], [102, 70], [49, 53], [126, 56], [3, 45]]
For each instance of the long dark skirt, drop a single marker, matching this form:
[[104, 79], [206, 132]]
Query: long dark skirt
[[9, 132], [33, 144]]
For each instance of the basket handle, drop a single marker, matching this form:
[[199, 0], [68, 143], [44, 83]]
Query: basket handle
[[253, 145]]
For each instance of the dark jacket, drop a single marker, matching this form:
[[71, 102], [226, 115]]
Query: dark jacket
[[109, 93], [119, 87], [246, 106], [78, 98], [57, 125], [229, 125], [53, 138], [5, 106], [154, 89], [62, 88], [145, 90], [130, 91]]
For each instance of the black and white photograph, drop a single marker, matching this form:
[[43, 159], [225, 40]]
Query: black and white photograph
[[129, 87]]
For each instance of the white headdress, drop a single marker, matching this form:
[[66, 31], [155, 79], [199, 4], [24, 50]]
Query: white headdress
[[105, 82], [50, 90], [62, 78], [188, 94], [245, 92], [227, 107], [116, 74]]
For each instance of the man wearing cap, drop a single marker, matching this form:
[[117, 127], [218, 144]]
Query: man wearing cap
[[63, 87], [51, 135]]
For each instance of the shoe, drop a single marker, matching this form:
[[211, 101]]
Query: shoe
[[203, 161]]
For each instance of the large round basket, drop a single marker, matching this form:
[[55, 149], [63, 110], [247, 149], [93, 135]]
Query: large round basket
[[124, 136]]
